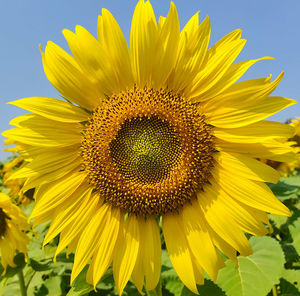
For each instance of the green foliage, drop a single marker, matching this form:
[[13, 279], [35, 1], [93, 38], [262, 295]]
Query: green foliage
[[263, 267], [208, 289], [272, 269], [80, 286], [295, 233]]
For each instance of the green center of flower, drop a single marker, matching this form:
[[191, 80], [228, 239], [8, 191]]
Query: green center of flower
[[145, 149]]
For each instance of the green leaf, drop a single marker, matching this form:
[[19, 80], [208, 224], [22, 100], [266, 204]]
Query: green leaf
[[208, 289], [130, 290], [51, 286], [106, 284], [174, 286], [278, 219], [257, 273], [292, 180], [285, 189], [10, 287], [288, 289], [35, 265], [290, 253], [295, 233], [291, 278], [80, 286]]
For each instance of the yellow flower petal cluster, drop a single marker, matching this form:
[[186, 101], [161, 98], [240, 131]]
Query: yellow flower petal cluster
[[15, 185], [158, 132], [287, 168], [13, 223], [7, 170]]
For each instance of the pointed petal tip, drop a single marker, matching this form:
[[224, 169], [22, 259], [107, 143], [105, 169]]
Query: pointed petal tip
[[104, 11], [40, 47], [172, 5], [72, 278]]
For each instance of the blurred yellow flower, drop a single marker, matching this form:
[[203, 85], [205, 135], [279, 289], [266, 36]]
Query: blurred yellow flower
[[15, 185], [13, 223], [287, 168]]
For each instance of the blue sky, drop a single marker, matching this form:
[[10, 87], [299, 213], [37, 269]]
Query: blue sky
[[270, 26]]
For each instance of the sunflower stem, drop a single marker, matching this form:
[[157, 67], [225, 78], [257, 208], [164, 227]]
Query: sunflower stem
[[274, 292], [22, 283], [157, 291]]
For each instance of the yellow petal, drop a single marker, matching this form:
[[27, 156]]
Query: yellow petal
[[168, 38], [193, 44], [245, 103], [126, 255], [36, 130], [247, 219], [46, 163], [223, 246], [178, 250], [66, 76], [138, 274], [199, 240], [152, 253], [221, 221], [82, 200], [89, 240], [253, 193], [91, 57], [7, 255], [70, 236], [54, 194], [246, 167], [243, 91], [148, 263], [255, 133], [143, 42], [34, 182], [115, 46], [268, 149], [234, 73], [106, 245], [232, 116], [52, 108], [219, 59]]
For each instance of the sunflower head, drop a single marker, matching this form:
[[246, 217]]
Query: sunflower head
[[3, 224], [147, 152], [13, 224]]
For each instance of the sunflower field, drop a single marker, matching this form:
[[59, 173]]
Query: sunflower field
[[273, 268]]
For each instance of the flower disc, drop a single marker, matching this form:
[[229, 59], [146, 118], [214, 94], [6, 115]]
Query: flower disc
[[147, 151], [3, 224]]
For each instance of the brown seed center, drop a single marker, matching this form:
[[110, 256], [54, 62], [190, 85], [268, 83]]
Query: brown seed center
[[146, 151], [3, 223]]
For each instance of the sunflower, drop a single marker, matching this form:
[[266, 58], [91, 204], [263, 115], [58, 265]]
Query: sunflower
[[158, 133], [13, 223]]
